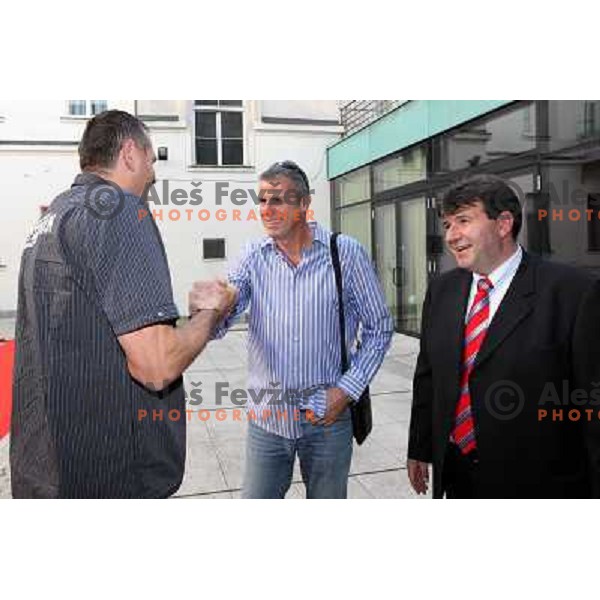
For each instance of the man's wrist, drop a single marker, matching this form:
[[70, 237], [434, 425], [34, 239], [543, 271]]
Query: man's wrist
[[352, 398], [344, 394], [206, 315]]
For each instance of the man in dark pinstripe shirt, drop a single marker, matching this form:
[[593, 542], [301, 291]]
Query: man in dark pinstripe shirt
[[96, 344]]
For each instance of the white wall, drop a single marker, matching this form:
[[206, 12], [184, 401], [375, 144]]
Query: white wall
[[45, 120], [265, 144], [32, 175], [29, 179], [301, 109]]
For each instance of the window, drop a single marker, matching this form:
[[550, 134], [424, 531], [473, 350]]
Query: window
[[591, 118], [355, 221], [213, 248], [353, 187], [219, 137], [503, 135], [410, 166], [86, 108]]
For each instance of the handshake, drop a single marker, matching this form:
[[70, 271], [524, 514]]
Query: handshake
[[217, 295]]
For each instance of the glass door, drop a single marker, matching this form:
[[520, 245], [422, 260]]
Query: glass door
[[401, 260], [412, 274], [386, 261]]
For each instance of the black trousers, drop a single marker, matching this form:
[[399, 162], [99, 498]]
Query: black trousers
[[460, 474]]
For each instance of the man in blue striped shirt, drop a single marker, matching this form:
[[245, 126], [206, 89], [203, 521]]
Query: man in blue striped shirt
[[298, 397]]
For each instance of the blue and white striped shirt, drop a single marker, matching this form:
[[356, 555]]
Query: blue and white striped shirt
[[293, 328]]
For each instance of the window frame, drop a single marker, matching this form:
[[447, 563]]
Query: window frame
[[88, 110], [219, 109]]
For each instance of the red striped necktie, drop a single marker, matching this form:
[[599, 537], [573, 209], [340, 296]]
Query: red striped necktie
[[475, 331]]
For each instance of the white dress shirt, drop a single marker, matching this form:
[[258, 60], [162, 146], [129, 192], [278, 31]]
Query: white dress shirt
[[501, 278]]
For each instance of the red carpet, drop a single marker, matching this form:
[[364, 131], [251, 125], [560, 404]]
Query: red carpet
[[7, 355]]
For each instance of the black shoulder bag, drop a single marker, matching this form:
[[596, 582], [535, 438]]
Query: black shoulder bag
[[362, 416]]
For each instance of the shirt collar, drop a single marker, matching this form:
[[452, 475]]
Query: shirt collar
[[86, 178], [507, 269]]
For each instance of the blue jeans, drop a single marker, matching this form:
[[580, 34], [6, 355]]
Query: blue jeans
[[324, 452]]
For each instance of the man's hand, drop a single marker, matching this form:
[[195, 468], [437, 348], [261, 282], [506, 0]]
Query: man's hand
[[337, 402], [215, 295], [418, 473]]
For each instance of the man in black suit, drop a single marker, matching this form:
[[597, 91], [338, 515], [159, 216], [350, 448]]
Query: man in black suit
[[506, 391]]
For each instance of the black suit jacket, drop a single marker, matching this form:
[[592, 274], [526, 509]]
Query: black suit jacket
[[542, 344]]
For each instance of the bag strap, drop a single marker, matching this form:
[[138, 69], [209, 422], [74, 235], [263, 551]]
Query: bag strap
[[335, 258]]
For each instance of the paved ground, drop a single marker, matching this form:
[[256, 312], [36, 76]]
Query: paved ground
[[215, 455]]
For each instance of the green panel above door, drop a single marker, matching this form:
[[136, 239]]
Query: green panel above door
[[408, 124]]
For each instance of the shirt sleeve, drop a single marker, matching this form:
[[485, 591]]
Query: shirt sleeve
[[317, 403], [239, 275], [365, 298], [126, 258]]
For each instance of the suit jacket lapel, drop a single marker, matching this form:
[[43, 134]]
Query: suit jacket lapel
[[515, 306]]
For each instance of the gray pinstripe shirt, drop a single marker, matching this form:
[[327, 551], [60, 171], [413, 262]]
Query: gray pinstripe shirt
[[91, 270]]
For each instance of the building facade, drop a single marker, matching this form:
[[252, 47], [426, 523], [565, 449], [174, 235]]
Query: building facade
[[388, 176], [210, 153]]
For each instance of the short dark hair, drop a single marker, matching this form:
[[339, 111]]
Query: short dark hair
[[494, 193], [104, 136], [289, 169]]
